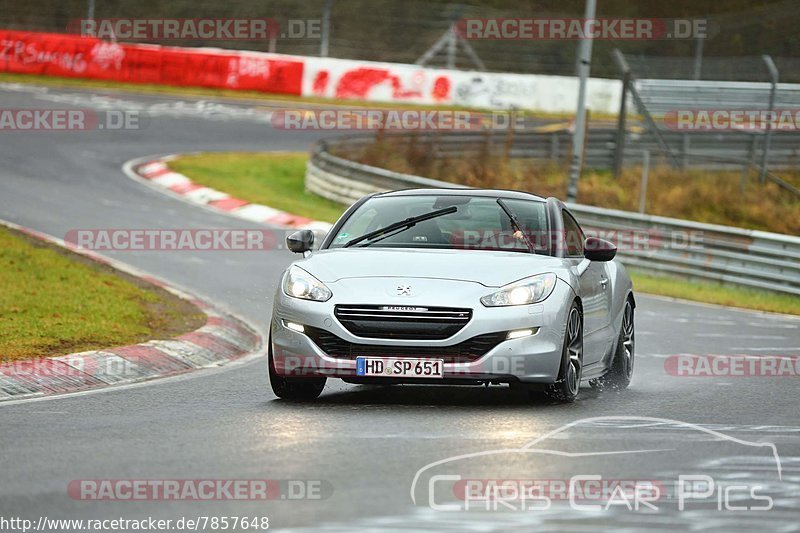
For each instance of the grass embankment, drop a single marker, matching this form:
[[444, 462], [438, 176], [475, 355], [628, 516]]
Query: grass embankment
[[277, 180], [54, 302]]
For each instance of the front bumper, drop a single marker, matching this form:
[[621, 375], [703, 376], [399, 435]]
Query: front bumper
[[532, 359]]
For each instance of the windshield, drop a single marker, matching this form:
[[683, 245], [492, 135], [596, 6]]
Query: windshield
[[479, 223]]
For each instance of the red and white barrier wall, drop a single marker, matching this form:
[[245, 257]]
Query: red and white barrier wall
[[392, 82], [84, 57]]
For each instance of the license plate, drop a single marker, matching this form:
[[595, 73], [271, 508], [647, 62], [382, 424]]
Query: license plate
[[399, 368]]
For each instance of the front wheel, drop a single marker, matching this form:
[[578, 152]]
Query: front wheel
[[566, 388], [619, 375], [296, 389]]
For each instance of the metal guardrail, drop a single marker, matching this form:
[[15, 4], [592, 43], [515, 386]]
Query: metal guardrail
[[707, 150], [710, 150], [661, 96], [744, 257]]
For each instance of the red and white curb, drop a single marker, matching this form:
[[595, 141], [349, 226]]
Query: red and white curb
[[156, 173], [222, 339]]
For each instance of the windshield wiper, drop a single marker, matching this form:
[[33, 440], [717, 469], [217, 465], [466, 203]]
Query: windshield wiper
[[518, 233], [402, 225]]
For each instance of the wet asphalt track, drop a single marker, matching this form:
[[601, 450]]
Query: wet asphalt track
[[365, 443]]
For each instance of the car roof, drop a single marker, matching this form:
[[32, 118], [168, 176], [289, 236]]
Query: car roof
[[492, 193]]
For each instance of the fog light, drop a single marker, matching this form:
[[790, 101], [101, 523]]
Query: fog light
[[294, 327], [519, 333]]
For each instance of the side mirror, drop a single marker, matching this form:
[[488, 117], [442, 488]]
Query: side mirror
[[300, 241], [595, 249]]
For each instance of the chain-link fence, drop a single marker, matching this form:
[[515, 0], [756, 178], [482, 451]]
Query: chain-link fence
[[389, 30], [720, 112]]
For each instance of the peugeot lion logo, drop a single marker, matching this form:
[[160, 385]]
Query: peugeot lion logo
[[404, 290]]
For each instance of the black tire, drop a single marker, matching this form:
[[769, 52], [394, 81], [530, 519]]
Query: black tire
[[295, 389], [620, 374], [567, 387]]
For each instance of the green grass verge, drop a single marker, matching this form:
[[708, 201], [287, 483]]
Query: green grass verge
[[277, 180], [715, 293], [54, 302]]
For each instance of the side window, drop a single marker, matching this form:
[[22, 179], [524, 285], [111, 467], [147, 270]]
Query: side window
[[573, 236]]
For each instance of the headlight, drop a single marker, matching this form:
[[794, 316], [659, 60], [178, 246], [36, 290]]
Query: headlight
[[528, 291], [300, 284]]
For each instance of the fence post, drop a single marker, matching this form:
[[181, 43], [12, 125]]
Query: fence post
[[452, 41], [696, 73], [698, 57], [774, 76], [620, 142], [645, 178], [579, 138], [324, 39]]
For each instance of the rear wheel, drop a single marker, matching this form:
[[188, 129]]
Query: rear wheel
[[619, 375], [566, 388], [296, 389]]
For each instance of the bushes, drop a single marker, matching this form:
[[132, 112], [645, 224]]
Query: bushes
[[701, 195]]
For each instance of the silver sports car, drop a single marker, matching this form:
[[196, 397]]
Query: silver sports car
[[453, 286]]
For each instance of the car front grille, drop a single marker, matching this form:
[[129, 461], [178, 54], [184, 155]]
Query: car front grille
[[402, 321], [463, 352]]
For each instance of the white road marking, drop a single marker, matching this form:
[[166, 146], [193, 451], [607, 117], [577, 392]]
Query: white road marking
[[731, 336], [766, 348], [769, 325]]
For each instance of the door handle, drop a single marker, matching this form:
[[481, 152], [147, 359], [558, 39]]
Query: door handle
[[604, 282]]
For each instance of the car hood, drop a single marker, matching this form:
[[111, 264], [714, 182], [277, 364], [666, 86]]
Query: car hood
[[489, 268]]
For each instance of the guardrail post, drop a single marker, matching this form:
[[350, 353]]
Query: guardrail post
[[645, 179], [380, 133], [685, 143], [554, 142], [485, 155], [510, 134], [750, 163], [774, 76]]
